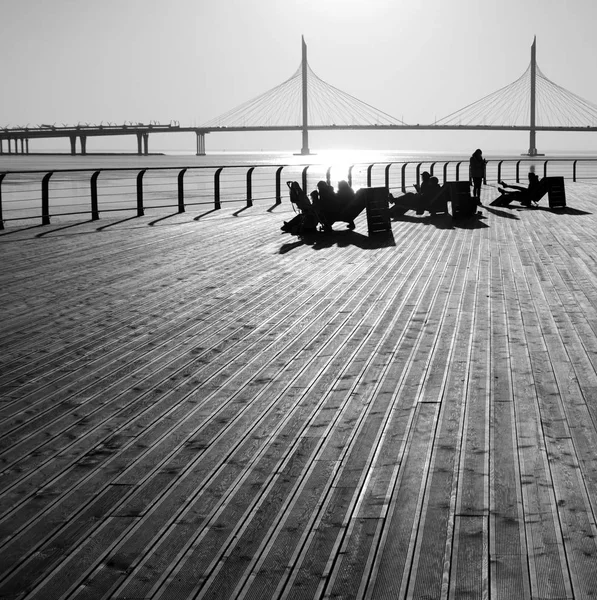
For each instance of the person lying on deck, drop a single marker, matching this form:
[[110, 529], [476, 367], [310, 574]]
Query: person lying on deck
[[525, 195]]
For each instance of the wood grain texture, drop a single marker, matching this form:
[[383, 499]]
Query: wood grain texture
[[200, 406]]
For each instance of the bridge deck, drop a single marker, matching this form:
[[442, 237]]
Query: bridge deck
[[201, 406]]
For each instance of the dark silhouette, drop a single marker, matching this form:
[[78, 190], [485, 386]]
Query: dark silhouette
[[477, 173], [325, 207], [429, 196], [519, 193]]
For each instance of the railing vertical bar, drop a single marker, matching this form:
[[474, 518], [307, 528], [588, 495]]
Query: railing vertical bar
[[350, 175], [2, 176], [250, 187], [499, 171], [445, 174], [279, 185], [458, 171], [140, 209], [304, 179], [45, 198], [94, 200], [573, 173], [403, 182], [387, 176], [518, 171], [181, 207], [369, 168], [328, 177], [217, 202], [545, 168]]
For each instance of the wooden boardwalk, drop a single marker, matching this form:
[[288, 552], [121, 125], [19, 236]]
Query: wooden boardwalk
[[200, 406]]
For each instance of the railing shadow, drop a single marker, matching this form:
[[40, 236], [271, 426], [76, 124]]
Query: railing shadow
[[117, 223], [198, 217], [69, 226], [4, 232], [152, 223]]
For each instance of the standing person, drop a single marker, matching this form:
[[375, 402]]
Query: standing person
[[477, 173]]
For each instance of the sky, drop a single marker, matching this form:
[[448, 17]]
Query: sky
[[71, 61]]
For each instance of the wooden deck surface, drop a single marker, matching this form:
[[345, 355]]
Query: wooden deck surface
[[200, 406]]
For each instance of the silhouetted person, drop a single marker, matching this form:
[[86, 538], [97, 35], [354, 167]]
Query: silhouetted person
[[410, 200], [525, 195], [477, 172], [346, 196]]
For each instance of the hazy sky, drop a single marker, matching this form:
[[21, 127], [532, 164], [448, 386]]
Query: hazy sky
[[69, 61]]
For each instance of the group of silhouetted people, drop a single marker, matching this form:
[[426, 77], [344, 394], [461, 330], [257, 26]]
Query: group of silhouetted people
[[430, 196], [326, 206]]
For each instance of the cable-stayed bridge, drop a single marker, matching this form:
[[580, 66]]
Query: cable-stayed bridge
[[305, 102]]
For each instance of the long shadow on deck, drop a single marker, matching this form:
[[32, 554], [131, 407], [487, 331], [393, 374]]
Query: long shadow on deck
[[444, 221], [342, 239]]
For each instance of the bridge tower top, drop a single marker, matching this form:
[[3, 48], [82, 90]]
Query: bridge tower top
[[532, 132]]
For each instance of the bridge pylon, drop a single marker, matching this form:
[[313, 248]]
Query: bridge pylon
[[532, 132], [305, 98]]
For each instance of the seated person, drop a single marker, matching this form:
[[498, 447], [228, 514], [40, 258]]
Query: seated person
[[343, 205], [430, 194], [410, 200], [525, 195]]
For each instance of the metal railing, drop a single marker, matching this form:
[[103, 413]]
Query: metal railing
[[43, 195]]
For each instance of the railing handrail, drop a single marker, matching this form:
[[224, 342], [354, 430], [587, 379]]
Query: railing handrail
[[302, 168]]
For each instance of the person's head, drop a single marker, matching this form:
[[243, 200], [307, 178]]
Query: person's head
[[343, 185], [425, 175], [478, 153], [533, 176]]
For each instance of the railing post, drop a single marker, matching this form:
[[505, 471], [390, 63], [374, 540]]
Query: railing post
[[387, 175], [350, 175], [431, 169], [279, 185], [217, 203], [573, 176], [140, 211], [458, 171], [404, 177], [445, 174], [94, 202], [328, 177], [45, 198], [304, 178], [499, 171], [369, 168], [2, 176], [181, 190], [545, 168], [418, 173], [517, 171], [250, 187]]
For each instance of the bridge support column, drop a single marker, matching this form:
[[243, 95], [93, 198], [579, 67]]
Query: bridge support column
[[73, 144], [532, 135], [145, 143], [27, 145], [305, 129], [83, 139], [1, 146], [139, 143], [200, 143]]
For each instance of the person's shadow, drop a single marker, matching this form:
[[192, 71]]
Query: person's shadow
[[342, 239]]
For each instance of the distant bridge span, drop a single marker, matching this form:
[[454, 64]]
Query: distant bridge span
[[343, 110]]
